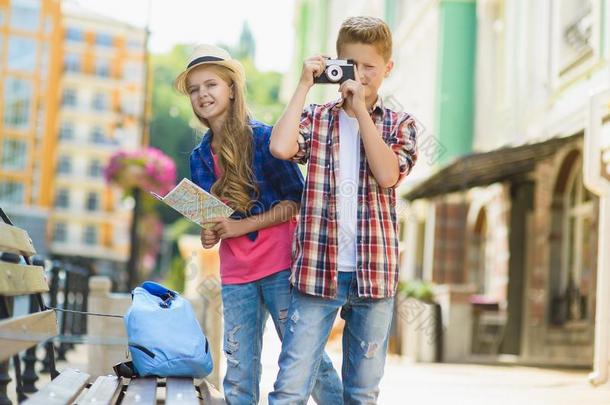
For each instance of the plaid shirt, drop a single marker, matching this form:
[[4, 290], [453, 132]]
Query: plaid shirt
[[315, 246]]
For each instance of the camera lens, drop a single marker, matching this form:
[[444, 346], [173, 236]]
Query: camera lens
[[334, 73]]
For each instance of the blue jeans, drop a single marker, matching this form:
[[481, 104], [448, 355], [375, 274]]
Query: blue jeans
[[365, 340], [246, 309]]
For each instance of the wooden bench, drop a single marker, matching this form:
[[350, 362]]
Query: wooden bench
[[18, 333], [71, 386]]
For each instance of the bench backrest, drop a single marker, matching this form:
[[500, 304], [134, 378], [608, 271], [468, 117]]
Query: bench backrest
[[20, 333]]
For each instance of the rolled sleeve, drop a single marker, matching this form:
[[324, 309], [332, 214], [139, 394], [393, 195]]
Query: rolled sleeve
[[304, 139], [404, 145]]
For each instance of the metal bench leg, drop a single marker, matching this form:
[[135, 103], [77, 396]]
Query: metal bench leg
[[29, 376], [4, 380]]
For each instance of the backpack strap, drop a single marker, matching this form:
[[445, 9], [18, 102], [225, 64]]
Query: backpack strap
[[125, 370]]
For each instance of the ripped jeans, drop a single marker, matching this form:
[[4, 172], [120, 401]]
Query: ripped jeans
[[365, 341], [246, 308]]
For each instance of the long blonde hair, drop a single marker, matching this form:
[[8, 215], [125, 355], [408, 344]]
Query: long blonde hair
[[236, 184]]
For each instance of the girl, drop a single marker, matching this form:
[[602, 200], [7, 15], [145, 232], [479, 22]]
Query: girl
[[234, 163]]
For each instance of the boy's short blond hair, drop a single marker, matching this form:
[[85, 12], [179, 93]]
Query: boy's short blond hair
[[366, 30]]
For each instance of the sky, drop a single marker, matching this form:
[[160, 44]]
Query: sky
[[205, 21]]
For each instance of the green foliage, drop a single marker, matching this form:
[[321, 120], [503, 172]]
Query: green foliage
[[418, 289], [182, 226], [171, 113], [174, 280]]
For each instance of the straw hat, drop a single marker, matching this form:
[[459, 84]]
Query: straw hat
[[209, 55]]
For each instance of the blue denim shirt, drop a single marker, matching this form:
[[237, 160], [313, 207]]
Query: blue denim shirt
[[276, 179]]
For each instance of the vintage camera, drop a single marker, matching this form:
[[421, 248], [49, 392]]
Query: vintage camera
[[336, 72]]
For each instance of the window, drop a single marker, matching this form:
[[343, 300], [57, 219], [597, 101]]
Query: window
[[133, 71], [93, 202], [11, 192], [577, 38], [135, 45], [69, 98], [103, 40], [14, 155], [573, 246], [22, 54], [25, 14], [96, 169], [99, 102], [65, 165], [74, 34], [18, 101], [97, 135], [576, 28], [72, 63], [90, 235], [62, 199], [60, 233], [102, 68], [66, 132]]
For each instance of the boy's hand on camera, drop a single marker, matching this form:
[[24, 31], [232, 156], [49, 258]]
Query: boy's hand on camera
[[312, 67], [352, 91], [227, 228], [209, 238]]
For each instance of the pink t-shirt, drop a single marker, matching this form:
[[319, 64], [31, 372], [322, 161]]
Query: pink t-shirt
[[244, 261]]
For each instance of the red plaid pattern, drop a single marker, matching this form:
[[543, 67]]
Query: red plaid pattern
[[315, 246]]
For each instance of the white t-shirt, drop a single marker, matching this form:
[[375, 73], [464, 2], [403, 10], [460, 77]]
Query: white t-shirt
[[347, 196]]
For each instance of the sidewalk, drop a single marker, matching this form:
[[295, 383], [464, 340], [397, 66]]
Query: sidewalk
[[456, 384], [439, 384]]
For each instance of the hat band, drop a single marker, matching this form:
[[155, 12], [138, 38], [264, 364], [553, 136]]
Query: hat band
[[204, 59]]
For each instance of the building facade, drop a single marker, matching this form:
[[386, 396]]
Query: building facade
[[30, 52], [102, 109], [496, 212], [72, 93], [515, 224]]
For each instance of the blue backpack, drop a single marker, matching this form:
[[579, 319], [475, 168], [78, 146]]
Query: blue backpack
[[164, 337]]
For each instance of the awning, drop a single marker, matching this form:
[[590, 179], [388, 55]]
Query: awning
[[481, 169]]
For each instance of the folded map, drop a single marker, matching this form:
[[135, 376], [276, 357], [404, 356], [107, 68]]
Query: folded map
[[195, 203]]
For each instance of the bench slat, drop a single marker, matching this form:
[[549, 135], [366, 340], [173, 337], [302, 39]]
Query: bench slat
[[141, 391], [18, 279], [20, 333], [104, 390], [15, 240], [62, 390], [181, 391]]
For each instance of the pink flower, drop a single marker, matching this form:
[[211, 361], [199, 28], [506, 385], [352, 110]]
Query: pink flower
[[149, 169]]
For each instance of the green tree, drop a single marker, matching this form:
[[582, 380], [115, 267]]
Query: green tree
[[170, 128], [246, 47]]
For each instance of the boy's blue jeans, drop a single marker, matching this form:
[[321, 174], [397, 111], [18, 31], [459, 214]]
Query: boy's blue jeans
[[246, 308], [365, 339]]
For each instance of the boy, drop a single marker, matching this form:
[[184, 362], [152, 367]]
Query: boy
[[346, 245]]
